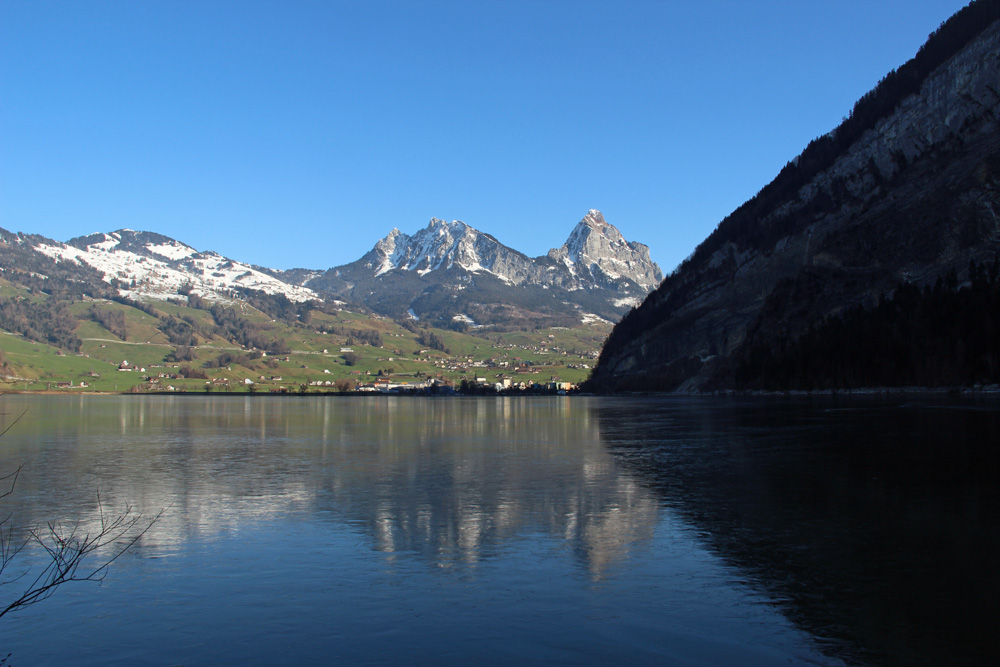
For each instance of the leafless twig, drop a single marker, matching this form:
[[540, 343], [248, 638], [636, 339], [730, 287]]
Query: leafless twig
[[66, 547]]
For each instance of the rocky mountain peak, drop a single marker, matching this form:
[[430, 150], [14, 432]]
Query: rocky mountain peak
[[595, 220], [597, 248]]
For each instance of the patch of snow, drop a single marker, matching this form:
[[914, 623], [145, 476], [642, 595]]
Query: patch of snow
[[627, 301], [171, 250], [109, 243], [210, 274], [413, 315]]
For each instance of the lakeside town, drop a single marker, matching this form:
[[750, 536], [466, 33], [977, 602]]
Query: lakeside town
[[546, 362]]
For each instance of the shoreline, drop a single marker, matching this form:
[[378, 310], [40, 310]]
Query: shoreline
[[985, 390]]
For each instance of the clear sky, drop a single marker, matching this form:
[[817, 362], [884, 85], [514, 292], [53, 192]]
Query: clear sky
[[297, 133]]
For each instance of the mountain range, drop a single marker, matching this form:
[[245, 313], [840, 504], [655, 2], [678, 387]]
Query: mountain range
[[451, 272], [448, 274]]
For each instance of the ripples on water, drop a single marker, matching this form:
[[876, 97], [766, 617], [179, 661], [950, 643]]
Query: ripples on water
[[575, 531]]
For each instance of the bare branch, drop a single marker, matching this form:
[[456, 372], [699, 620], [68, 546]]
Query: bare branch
[[65, 546], [9, 427]]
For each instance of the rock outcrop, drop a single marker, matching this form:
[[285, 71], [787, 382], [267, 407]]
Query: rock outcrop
[[597, 253]]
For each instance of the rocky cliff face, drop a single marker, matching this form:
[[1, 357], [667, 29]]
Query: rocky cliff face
[[449, 269], [597, 253], [917, 195], [446, 245]]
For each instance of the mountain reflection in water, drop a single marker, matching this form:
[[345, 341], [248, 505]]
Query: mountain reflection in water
[[423, 477], [441, 490], [873, 523], [566, 529]]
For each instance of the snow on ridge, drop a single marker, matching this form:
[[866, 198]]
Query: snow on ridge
[[172, 250], [60, 252], [110, 242], [209, 274]]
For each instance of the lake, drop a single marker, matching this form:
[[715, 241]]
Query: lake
[[562, 530]]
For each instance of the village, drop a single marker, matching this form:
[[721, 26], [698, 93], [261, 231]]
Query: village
[[498, 374]]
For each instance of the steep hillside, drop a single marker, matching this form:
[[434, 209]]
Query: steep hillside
[[902, 193]]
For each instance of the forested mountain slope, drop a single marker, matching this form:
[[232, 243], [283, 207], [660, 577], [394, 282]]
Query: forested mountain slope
[[905, 192]]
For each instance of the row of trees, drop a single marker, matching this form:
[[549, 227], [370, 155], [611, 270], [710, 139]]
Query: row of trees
[[430, 339], [945, 335], [46, 321], [112, 320]]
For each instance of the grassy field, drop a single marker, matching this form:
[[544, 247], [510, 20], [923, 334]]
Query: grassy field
[[330, 348]]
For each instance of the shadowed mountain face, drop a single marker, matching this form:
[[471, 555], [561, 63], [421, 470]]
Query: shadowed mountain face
[[874, 524], [903, 192]]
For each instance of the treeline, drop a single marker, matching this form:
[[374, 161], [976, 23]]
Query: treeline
[[356, 336], [245, 333], [112, 320], [23, 266], [941, 336], [430, 339], [48, 321]]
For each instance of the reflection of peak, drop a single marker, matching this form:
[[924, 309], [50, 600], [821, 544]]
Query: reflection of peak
[[580, 495]]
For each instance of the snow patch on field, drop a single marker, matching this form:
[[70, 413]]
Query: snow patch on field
[[627, 301], [591, 318]]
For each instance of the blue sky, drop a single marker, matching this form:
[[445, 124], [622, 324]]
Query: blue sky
[[296, 134]]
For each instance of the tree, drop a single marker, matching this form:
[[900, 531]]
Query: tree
[[66, 549]]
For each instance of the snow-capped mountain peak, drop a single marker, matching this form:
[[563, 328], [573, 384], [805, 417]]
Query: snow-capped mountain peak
[[444, 245], [447, 263]]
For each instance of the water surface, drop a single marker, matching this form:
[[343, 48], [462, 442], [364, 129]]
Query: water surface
[[560, 530]]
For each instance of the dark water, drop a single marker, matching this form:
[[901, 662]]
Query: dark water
[[568, 531]]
